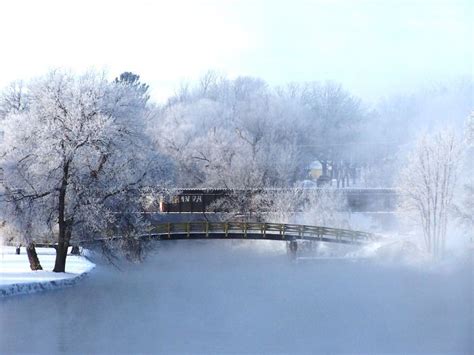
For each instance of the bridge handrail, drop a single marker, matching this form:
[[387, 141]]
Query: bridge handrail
[[256, 228]]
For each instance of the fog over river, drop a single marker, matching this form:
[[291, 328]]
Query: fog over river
[[219, 296]]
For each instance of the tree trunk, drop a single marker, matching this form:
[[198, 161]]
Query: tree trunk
[[61, 253], [61, 250], [33, 257], [64, 227]]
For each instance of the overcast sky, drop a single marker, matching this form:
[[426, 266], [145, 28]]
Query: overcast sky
[[371, 47]]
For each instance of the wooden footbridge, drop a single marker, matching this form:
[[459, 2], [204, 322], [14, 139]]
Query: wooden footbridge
[[247, 230]]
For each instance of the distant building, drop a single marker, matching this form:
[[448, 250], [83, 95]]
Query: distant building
[[315, 170]]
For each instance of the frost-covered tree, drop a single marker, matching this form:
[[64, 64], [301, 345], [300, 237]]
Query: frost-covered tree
[[465, 212], [228, 134], [333, 120], [399, 118], [325, 207], [80, 150], [14, 101], [464, 209], [427, 184], [13, 98], [25, 222], [321, 207]]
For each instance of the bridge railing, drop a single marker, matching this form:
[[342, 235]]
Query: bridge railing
[[285, 231]]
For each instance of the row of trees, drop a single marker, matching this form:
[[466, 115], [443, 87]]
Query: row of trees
[[244, 134]]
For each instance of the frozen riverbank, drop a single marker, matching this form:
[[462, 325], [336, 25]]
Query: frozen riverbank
[[17, 278]]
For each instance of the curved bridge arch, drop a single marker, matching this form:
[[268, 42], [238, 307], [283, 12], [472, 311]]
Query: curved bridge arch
[[248, 230]]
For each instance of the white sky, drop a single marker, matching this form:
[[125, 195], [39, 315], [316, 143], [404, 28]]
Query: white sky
[[371, 47]]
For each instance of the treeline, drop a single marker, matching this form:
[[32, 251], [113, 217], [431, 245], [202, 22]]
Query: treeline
[[243, 133]]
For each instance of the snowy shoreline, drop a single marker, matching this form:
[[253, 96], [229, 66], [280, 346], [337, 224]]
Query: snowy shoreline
[[16, 278]]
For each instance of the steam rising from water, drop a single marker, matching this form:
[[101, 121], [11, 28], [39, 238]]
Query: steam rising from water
[[206, 297]]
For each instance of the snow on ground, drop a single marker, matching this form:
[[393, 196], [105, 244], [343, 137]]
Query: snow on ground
[[17, 278]]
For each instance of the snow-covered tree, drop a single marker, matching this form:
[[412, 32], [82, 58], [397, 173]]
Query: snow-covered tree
[[398, 119], [25, 222], [464, 209], [333, 120], [470, 130], [322, 207], [13, 98], [427, 185], [326, 207], [79, 149], [13, 101], [228, 134]]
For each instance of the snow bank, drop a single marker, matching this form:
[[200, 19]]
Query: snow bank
[[17, 278]]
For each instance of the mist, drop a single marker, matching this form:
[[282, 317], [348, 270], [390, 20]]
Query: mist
[[221, 297]]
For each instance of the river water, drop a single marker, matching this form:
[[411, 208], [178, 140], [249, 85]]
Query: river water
[[214, 298]]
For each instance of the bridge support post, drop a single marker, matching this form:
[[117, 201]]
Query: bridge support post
[[291, 249]]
